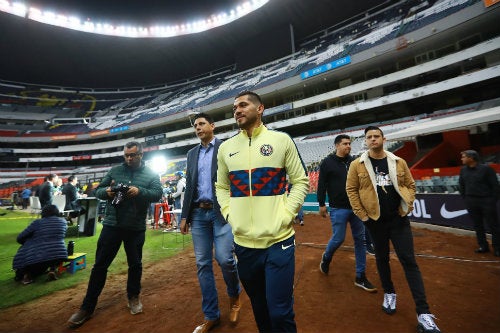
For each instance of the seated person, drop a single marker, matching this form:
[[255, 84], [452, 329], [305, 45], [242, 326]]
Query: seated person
[[42, 246], [72, 198]]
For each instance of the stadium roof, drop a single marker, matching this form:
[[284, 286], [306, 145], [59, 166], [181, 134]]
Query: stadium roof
[[36, 53], [444, 124]]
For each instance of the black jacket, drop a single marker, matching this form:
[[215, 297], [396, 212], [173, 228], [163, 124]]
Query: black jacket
[[480, 181], [46, 193], [332, 179], [71, 193]]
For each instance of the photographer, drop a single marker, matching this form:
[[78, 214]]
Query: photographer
[[129, 189]]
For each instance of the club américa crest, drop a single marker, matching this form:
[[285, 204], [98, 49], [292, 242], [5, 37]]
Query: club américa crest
[[266, 150]]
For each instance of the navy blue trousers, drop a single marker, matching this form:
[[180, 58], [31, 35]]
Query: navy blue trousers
[[267, 276]]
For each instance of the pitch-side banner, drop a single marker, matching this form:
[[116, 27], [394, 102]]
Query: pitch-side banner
[[442, 209]]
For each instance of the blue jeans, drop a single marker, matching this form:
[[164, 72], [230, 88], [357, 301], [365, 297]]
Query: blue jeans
[[209, 232], [339, 218], [267, 276], [300, 214], [108, 245]]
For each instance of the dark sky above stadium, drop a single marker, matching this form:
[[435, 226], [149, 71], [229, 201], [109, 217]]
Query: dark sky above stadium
[[35, 53]]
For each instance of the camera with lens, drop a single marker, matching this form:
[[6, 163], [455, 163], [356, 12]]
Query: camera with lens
[[120, 191]]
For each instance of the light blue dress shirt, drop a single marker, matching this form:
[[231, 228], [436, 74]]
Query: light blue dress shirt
[[205, 186]]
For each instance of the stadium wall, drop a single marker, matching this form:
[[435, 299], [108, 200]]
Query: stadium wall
[[430, 208]]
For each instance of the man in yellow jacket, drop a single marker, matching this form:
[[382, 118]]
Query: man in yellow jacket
[[250, 188], [381, 191]]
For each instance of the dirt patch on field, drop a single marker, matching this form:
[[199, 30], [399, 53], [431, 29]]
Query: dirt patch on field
[[463, 290]]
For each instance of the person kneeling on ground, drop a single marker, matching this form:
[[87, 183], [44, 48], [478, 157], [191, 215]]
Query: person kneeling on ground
[[42, 247]]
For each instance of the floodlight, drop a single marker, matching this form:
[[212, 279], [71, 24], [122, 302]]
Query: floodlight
[[158, 164], [18, 9], [212, 21]]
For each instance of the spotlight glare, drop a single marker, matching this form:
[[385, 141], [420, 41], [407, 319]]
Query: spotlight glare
[[73, 22]]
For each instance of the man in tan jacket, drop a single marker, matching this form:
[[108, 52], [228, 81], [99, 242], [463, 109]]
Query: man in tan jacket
[[381, 191]]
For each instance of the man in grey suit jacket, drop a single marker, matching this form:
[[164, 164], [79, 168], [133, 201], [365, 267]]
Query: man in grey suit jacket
[[201, 213]]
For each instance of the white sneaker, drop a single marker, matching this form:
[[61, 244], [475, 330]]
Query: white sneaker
[[135, 305], [426, 324], [389, 305]]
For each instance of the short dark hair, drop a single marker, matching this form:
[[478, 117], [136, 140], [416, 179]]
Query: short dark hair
[[71, 178], [472, 154], [340, 137], [254, 97], [50, 210], [374, 128], [51, 176], [133, 144], [204, 115]]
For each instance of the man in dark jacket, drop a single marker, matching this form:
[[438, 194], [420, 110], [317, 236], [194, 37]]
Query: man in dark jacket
[[42, 247], [332, 180], [478, 185], [72, 197], [46, 191], [129, 189]]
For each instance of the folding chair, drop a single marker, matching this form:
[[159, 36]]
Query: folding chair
[[60, 202], [174, 232], [35, 206]]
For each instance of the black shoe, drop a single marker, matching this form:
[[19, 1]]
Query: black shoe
[[482, 250], [497, 252], [52, 276], [370, 250], [324, 266], [363, 283]]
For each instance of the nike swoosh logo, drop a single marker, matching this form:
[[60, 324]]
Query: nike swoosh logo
[[232, 154], [451, 215], [283, 247]]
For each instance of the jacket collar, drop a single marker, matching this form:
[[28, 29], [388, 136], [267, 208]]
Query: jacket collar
[[390, 156], [256, 131], [125, 165], [348, 157]]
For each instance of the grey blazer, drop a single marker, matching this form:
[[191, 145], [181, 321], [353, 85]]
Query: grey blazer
[[192, 181]]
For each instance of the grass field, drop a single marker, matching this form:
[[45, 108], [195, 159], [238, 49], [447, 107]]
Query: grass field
[[156, 247]]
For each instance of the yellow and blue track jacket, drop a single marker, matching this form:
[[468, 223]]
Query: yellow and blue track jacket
[[250, 187]]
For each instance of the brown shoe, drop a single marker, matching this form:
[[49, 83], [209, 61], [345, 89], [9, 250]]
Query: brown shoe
[[78, 318], [234, 308], [207, 326]]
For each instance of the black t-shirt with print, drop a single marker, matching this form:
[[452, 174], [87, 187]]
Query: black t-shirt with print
[[387, 196]]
